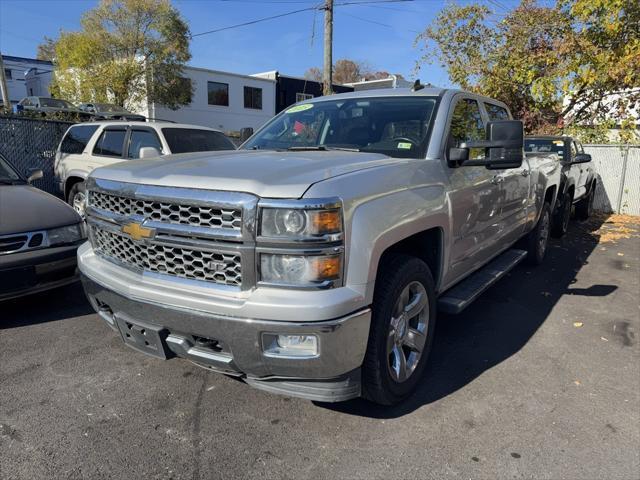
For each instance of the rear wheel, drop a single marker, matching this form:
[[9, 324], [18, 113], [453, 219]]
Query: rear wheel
[[538, 238], [584, 208], [562, 215], [78, 198], [402, 330]]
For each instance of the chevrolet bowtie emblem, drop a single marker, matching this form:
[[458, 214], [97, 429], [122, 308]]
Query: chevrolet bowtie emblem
[[137, 231]]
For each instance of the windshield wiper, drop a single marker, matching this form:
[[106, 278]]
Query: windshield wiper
[[321, 148]]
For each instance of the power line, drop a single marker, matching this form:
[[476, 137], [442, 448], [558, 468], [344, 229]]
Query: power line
[[293, 12], [374, 21]]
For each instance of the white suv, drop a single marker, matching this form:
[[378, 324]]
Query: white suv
[[87, 146]]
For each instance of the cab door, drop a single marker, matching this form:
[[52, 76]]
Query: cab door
[[474, 196], [514, 189]]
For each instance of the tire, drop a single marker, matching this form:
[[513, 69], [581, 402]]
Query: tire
[[561, 216], [584, 207], [77, 198], [399, 340], [537, 239]]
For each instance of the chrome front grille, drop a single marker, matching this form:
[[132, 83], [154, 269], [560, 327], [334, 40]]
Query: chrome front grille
[[220, 267], [168, 212]]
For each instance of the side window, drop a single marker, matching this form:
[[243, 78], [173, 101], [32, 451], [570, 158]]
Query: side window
[[301, 97], [253, 98], [496, 112], [110, 143], [574, 150], [76, 139], [140, 139], [579, 147], [466, 125], [218, 93]]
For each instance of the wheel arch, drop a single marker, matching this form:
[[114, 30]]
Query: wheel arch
[[427, 245], [71, 180]]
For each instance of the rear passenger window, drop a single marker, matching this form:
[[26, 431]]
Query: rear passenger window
[[140, 139], [184, 140], [495, 112], [110, 143], [467, 125], [76, 139]]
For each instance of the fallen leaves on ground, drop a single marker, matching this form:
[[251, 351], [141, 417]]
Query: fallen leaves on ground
[[577, 324], [611, 228]]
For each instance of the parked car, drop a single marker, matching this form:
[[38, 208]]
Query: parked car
[[95, 144], [578, 179], [46, 105], [39, 236], [109, 111], [312, 261]]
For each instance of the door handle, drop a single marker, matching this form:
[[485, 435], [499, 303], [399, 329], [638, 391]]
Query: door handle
[[497, 179], [525, 173]]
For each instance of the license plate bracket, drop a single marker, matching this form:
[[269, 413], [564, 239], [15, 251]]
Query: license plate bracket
[[144, 337]]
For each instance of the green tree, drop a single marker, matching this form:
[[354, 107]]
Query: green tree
[[346, 70], [128, 51], [555, 66]]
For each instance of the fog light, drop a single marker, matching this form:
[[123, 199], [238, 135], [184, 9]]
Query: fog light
[[299, 346]]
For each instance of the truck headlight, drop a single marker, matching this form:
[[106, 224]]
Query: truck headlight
[[300, 223], [64, 235], [299, 270]]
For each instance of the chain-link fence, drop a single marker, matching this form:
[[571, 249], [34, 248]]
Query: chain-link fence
[[32, 143], [618, 169]]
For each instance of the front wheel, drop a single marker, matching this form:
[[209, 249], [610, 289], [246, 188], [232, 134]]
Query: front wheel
[[538, 238], [78, 198], [562, 215], [402, 330], [584, 208]]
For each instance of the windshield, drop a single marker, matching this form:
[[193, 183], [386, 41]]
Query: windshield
[[185, 140], [55, 103], [7, 174], [394, 126], [544, 145], [107, 107]]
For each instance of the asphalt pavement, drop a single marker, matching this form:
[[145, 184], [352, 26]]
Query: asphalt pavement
[[540, 378]]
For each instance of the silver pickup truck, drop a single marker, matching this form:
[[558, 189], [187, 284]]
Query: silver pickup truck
[[312, 261]]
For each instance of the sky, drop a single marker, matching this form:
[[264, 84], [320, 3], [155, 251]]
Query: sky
[[382, 35]]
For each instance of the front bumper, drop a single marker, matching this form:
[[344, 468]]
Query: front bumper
[[332, 375], [34, 271]]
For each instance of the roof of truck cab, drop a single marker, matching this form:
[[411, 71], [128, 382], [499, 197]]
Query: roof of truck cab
[[548, 137], [404, 92], [384, 92]]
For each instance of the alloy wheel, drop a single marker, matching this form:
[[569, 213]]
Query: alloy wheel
[[543, 234], [407, 331], [78, 203]]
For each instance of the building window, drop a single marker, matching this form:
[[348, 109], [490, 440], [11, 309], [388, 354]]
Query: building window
[[7, 74], [218, 93], [253, 98], [301, 97]]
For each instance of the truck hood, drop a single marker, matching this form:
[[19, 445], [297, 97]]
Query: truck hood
[[24, 208], [267, 174]]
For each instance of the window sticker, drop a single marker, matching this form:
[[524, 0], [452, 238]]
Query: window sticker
[[560, 143], [404, 146], [300, 108]]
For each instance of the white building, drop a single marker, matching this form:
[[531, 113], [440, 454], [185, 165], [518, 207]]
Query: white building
[[222, 100], [26, 77]]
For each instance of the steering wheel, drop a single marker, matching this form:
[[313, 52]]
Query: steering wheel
[[413, 142]]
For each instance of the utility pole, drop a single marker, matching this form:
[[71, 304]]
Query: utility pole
[[327, 72], [3, 86]]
